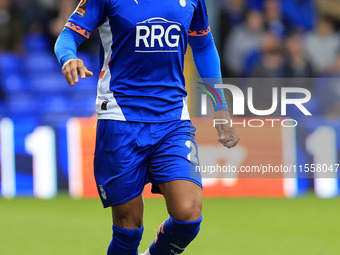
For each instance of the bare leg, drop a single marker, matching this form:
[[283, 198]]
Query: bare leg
[[129, 215]]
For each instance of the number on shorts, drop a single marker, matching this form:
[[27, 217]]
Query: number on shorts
[[193, 151]]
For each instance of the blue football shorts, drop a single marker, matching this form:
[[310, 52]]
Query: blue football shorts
[[129, 155]]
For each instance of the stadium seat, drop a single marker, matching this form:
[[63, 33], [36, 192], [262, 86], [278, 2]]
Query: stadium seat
[[9, 62], [35, 85], [12, 82], [91, 61], [82, 104], [40, 62], [36, 42], [21, 103], [55, 103], [89, 84], [48, 82]]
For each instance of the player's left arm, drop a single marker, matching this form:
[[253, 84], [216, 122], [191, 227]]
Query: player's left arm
[[66, 52], [207, 62], [88, 15]]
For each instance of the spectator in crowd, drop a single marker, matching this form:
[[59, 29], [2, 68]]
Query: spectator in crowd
[[10, 28], [32, 14], [242, 40], [273, 17], [64, 10], [329, 8], [255, 4], [297, 65], [328, 92], [232, 14], [233, 11], [271, 64], [322, 46], [299, 14]]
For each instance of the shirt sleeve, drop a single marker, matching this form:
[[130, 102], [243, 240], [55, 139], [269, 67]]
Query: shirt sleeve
[[67, 44], [88, 15], [200, 23], [208, 66]]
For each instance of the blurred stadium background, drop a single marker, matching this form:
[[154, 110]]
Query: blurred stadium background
[[47, 135]]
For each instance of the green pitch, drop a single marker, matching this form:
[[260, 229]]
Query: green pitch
[[304, 226]]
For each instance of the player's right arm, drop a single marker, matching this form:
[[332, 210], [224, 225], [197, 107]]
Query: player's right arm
[[87, 17], [208, 65]]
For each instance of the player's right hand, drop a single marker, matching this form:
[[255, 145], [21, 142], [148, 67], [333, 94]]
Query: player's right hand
[[73, 68], [227, 135]]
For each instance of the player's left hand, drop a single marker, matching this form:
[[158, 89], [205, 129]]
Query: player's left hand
[[74, 67], [227, 135]]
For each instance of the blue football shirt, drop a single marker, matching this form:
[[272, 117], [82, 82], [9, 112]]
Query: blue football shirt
[[143, 43]]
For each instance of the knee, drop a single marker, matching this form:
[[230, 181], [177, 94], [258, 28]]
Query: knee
[[128, 221], [128, 218], [187, 211]]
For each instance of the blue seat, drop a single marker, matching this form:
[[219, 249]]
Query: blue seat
[[9, 62], [83, 104], [42, 62], [47, 82], [88, 84], [53, 103], [21, 103], [13, 82], [36, 42], [91, 61]]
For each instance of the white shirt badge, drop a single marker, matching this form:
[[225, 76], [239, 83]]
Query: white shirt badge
[[183, 3]]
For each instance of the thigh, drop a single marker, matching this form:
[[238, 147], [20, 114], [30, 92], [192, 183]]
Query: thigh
[[120, 166]]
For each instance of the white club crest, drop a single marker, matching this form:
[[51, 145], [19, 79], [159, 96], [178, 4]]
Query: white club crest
[[183, 3], [102, 191]]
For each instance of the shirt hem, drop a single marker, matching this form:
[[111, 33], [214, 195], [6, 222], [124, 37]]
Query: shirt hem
[[107, 117]]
